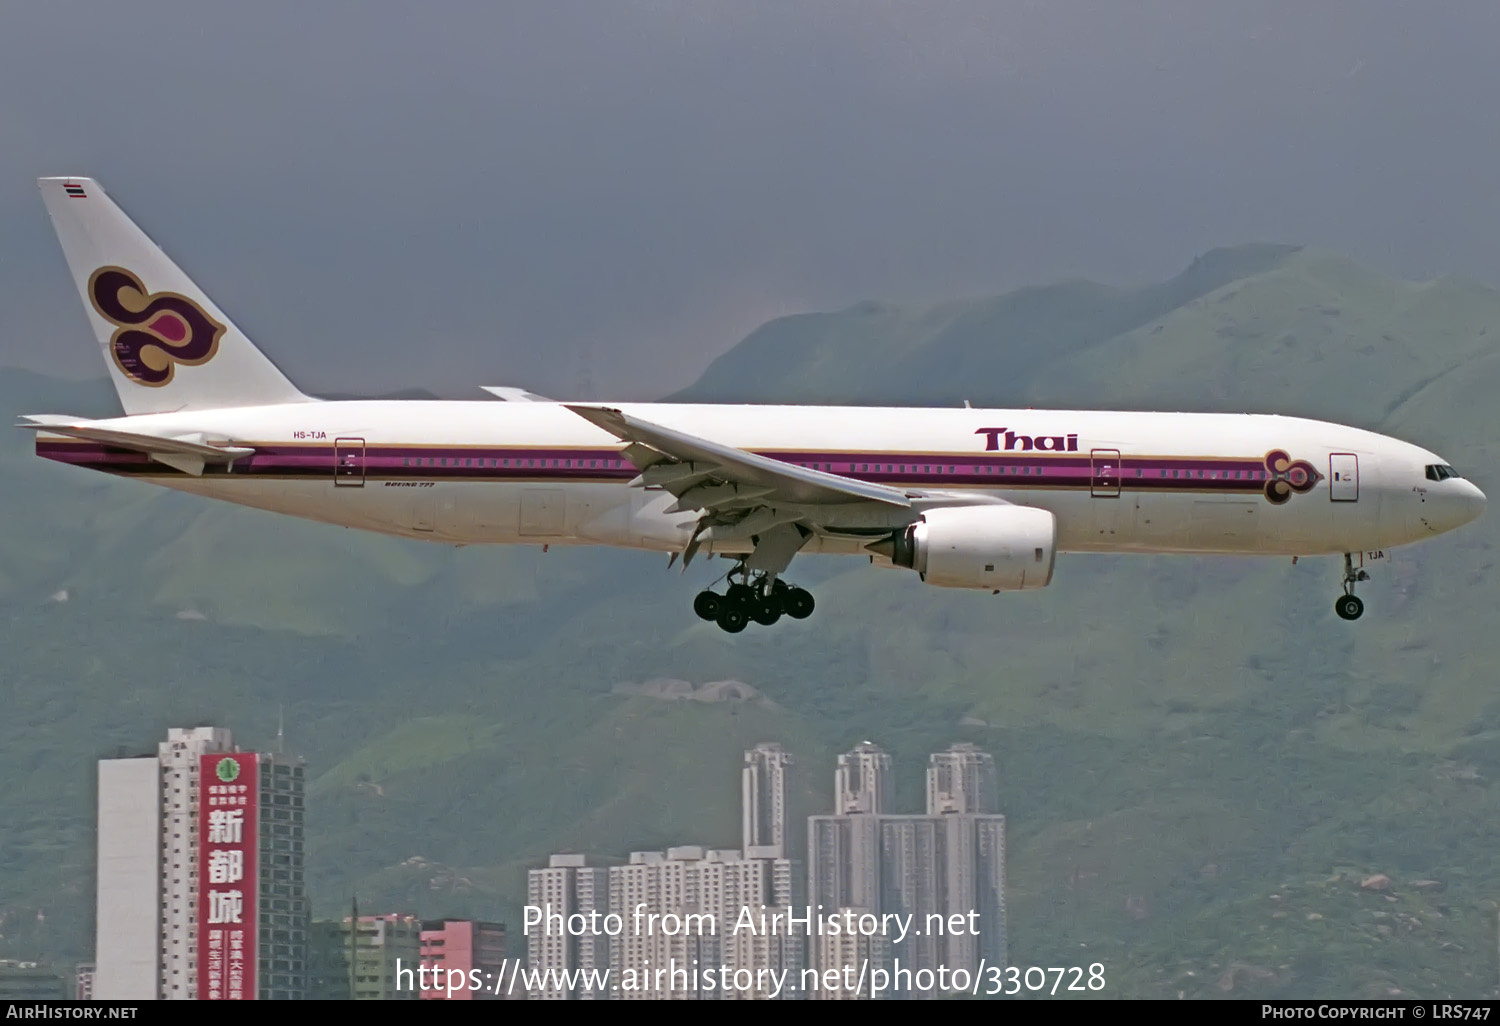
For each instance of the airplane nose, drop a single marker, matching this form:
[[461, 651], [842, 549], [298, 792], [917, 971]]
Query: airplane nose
[[1474, 502], [1449, 505]]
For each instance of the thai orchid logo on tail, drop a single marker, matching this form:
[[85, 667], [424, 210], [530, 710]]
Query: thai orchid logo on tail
[[157, 330]]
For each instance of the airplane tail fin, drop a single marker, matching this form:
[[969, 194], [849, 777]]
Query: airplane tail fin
[[168, 347]]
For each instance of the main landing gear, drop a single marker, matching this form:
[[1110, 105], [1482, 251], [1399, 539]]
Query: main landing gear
[[762, 598], [1348, 605]]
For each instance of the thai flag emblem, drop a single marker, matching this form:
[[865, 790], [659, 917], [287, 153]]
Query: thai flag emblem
[[75, 191]]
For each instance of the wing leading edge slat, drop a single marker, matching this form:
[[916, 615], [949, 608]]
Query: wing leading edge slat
[[766, 480]]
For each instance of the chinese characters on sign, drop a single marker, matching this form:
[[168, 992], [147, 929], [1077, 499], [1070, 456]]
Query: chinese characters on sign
[[227, 806]]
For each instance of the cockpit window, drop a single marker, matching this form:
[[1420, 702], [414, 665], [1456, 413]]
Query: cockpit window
[[1440, 472]]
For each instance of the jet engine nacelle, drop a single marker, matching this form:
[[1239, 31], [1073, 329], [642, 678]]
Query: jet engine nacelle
[[998, 548]]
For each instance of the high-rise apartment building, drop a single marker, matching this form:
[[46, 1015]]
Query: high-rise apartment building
[[843, 861], [843, 962], [180, 757], [645, 885], [963, 792], [128, 916], [200, 880], [844, 849], [862, 782], [591, 950], [568, 886], [946, 866], [681, 908], [948, 862], [765, 787], [963, 780]]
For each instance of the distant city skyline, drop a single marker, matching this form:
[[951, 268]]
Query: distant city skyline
[[865, 860]]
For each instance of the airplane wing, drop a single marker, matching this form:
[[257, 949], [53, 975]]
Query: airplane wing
[[699, 464], [189, 453], [738, 491]]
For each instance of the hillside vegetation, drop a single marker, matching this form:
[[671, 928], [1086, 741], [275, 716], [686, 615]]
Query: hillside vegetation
[[1206, 773]]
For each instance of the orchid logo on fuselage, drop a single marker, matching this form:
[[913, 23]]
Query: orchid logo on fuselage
[[1026, 443], [1288, 476], [157, 330]]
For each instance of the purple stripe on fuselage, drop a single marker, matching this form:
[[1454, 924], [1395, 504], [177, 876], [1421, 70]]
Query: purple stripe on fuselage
[[1005, 470]]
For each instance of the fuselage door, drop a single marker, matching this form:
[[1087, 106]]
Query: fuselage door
[[1104, 479], [349, 462], [1343, 477]]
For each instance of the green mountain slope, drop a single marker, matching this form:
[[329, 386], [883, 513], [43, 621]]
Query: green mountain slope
[[1200, 763]]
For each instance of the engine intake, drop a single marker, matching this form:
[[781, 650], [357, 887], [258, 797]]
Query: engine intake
[[998, 548]]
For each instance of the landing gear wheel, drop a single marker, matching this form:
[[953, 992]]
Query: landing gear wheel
[[766, 611], [732, 618], [707, 605], [798, 603], [1349, 607], [1346, 605], [740, 596]]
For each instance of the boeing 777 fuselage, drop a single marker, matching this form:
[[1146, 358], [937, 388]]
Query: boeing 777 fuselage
[[968, 498]]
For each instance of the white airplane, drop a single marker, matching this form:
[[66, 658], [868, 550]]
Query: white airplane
[[967, 498]]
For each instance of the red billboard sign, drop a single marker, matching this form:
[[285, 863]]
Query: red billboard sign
[[228, 904]]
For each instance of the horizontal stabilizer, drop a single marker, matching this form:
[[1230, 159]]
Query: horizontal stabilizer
[[187, 453], [515, 395]]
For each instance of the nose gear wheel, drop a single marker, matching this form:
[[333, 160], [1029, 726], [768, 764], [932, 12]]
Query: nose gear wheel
[[1348, 605]]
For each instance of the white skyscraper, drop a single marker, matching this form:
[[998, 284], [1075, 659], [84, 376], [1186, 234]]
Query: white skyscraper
[[948, 862], [689, 884], [862, 781], [843, 960], [844, 849], [962, 779], [764, 789], [766, 786], [127, 940], [180, 756], [567, 887], [658, 883], [963, 793], [591, 894], [551, 890]]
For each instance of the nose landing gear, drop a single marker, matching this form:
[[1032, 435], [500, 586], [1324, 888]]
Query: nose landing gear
[[762, 597], [1348, 606]]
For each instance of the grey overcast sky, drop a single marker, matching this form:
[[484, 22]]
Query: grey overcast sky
[[595, 199]]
